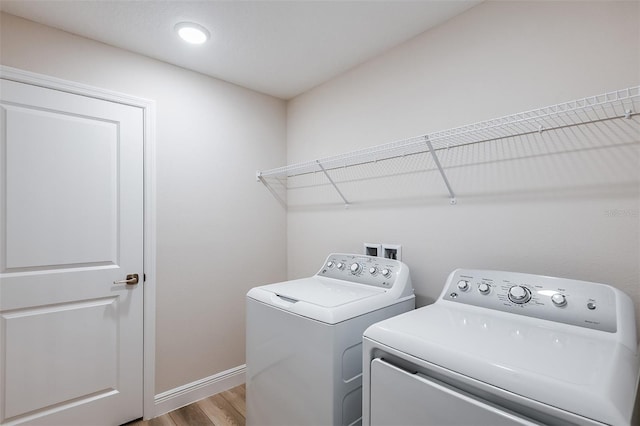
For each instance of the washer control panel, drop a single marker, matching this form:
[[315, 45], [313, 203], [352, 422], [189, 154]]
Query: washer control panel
[[573, 302], [362, 269]]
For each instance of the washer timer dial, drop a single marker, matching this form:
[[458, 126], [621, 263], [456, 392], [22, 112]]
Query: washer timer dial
[[355, 268], [519, 294]]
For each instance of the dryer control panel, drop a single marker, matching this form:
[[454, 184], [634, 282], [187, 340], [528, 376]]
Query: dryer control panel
[[580, 303], [369, 270]]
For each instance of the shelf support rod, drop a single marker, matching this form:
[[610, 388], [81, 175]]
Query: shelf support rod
[[259, 178], [452, 196], [346, 203]]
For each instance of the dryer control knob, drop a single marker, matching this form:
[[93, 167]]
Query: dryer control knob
[[484, 288], [386, 273], [340, 266], [356, 268], [519, 294], [559, 299], [373, 270], [463, 285], [330, 264]]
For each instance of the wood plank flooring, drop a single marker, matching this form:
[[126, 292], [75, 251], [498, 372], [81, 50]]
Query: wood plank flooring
[[224, 409]]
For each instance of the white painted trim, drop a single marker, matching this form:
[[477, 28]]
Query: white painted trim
[[195, 391], [149, 112], [149, 261]]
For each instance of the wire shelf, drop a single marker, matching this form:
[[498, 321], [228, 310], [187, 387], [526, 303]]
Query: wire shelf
[[619, 104]]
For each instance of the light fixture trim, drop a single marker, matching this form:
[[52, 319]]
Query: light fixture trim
[[192, 33]]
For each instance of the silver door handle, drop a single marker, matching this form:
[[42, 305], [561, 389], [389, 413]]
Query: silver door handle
[[131, 280]]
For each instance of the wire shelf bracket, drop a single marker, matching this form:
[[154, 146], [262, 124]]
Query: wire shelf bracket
[[346, 203], [452, 195]]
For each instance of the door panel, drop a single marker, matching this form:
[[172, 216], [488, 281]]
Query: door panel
[[61, 212], [68, 334], [399, 397], [71, 223]]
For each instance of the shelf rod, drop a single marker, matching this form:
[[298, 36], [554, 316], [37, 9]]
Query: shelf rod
[[346, 203], [452, 196]]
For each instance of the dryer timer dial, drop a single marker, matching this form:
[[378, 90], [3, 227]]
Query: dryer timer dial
[[519, 294]]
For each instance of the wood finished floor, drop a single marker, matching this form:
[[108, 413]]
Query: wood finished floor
[[224, 409]]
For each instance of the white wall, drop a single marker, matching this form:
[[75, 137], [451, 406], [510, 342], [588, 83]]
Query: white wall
[[574, 214], [219, 232]]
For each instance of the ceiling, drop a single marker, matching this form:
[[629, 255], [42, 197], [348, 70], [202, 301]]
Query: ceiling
[[282, 48]]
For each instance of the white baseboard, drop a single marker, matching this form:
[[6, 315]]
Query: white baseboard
[[195, 391]]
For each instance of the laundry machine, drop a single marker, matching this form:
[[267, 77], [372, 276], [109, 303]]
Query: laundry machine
[[502, 348], [304, 339]]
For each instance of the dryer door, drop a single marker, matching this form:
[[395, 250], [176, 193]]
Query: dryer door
[[401, 398]]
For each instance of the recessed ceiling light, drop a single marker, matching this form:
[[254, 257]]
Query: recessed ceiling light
[[192, 32]]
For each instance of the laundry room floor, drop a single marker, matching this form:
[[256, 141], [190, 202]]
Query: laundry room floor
[[223, 409]]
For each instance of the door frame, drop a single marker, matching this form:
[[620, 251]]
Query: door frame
[[149, 187]]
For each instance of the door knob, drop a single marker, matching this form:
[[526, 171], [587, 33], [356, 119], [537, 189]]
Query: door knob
[[131, 280]]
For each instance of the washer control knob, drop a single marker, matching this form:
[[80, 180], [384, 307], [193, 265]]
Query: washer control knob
[[330, 264], [519, 294], [591, 306], [463, 285], [340, 266], [484, 288], [559, 299], [356, 268], [373, 270], [386, 273]]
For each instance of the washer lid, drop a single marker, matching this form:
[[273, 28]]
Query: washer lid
[[542, 360], [324, 292], [326, 299]]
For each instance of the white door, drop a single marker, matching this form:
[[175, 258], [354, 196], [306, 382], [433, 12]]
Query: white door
[[71, 223]]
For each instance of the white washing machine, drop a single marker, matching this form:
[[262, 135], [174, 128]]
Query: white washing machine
[[501, 348], [304, 339]]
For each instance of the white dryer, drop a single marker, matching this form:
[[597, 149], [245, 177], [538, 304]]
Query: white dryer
[[304, 339], [500, 348]]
